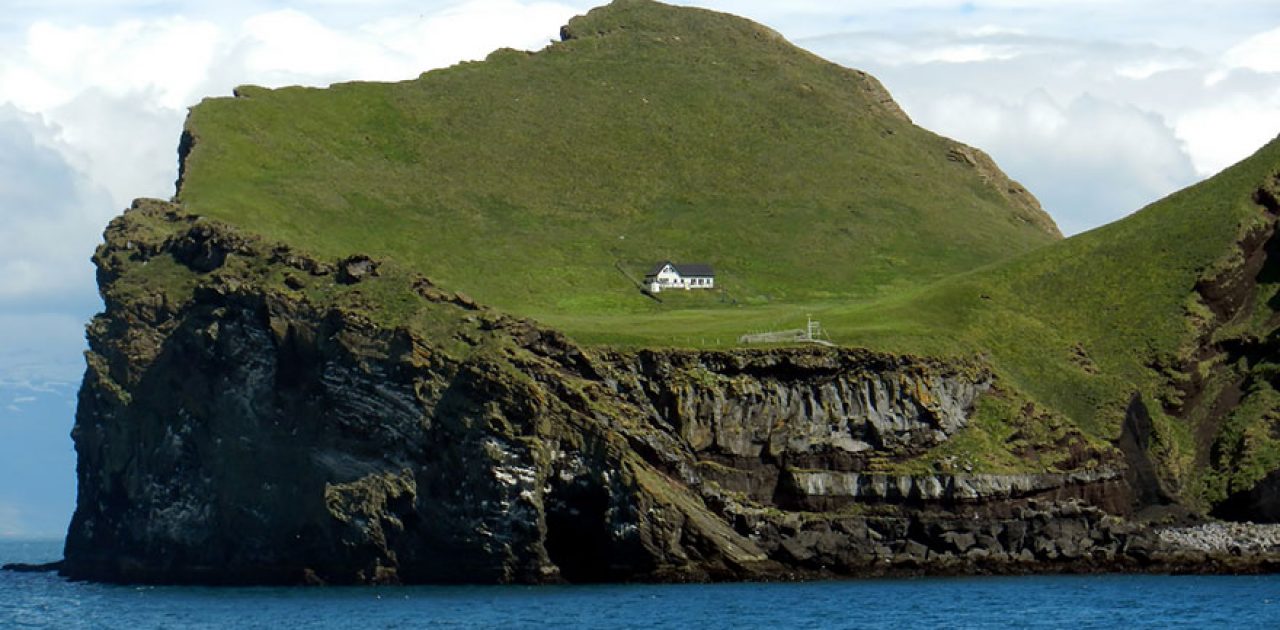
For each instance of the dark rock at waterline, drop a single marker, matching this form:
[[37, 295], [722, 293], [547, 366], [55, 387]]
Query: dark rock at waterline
[[23, 567], [232, 429]]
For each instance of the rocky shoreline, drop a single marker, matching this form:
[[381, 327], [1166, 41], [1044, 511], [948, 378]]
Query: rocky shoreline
[[1068, 538], [1234, 539], [254, 420]]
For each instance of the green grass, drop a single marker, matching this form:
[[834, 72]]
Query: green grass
[[1123, 294], [1075, 327], [659, 133], [654, 133], [1247, 447]]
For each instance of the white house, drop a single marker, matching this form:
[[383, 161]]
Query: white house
[[668, 275]]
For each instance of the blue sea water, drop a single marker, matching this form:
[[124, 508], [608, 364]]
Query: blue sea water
[[1117, 601]]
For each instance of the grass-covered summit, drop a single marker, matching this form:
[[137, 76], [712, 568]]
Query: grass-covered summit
[[533, 181], [539, 182]]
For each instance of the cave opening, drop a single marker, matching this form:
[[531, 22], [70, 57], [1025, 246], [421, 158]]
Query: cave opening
[[578, 539]]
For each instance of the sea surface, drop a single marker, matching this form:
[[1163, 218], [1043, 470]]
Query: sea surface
[[1119, 601]]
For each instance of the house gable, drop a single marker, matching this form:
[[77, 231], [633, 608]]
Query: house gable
[[669, 275]]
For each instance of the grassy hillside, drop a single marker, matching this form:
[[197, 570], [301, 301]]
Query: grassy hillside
[[539, 182], [650, 133], [1075, 321], [1080, 326], [1177, 302]]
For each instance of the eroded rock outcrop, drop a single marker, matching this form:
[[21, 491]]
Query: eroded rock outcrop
[[804, 403], [253, 415]]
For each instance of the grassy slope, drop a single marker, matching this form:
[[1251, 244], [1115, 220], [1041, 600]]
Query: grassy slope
[[1123, 294], [1074, 326], [653, 133], [1077, 325], [698, 137]]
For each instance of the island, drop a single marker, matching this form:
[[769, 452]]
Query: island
[[393, 333]]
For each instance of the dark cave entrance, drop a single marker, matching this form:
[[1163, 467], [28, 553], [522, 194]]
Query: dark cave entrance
[[578, 538]]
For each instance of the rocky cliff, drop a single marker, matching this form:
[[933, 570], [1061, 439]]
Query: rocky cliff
[[251, 414]]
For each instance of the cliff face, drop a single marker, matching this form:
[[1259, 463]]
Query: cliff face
[[252, 415]]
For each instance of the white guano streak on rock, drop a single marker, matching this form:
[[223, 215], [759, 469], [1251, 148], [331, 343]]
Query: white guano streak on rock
[[1224, 537], [942, 486]]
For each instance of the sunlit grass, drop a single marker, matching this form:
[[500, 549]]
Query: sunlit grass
[[529, 180]]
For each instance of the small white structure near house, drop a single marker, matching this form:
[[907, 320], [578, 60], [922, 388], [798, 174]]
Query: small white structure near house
[[668, 275]]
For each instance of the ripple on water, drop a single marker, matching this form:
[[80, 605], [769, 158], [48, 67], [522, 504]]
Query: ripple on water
[[1116, 601]]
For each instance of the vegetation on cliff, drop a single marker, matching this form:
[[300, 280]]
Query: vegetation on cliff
[[310, 290], [538, 182], [1176, 303], [650, 132], [252, 414]]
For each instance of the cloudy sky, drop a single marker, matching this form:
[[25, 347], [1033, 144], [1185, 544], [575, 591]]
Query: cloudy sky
[[1099, 107]]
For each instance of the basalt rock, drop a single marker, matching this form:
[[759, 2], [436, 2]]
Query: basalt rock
[[253, 415], [803, 404]]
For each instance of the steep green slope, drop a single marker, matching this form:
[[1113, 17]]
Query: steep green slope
[[650, 132], [1177, 303], [539, 182]]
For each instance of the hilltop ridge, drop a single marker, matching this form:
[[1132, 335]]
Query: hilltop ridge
[[650, 132]]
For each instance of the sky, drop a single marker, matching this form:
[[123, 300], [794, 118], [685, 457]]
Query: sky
[[1097, 106]]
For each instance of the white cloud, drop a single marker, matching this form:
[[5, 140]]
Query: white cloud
[[963, 53], [288, 44], [52, 213], [112, 99], [124, 147], [1146, 68], [89, 118], [471, 30], [164, 57], [987, 30], [1090, 161], [1246, 86], [292, 47], [1220, 134], [1095, 129], [114, 95], [90, 115], [1260, 52]]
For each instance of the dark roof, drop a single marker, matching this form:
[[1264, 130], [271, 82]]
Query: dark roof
[[695, 269], [688, 269]]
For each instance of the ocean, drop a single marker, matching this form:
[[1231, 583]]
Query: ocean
[[1109, 601]]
